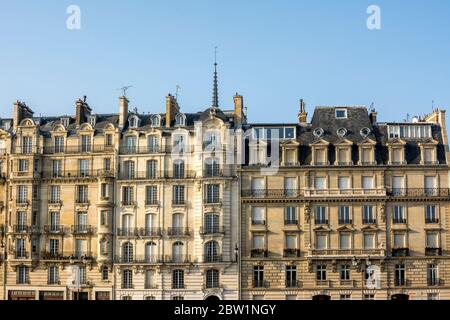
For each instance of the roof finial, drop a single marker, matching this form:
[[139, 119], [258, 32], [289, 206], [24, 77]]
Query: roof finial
[[215, 97]]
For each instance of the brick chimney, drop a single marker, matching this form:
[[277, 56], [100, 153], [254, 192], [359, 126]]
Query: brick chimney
[[172, 109], [82, 110], [239, 116], [20, 111], [302, 115], [123, 111]]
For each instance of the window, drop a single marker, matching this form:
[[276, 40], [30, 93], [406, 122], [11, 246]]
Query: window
[[321, 217], [56, 168], [212, 279], [290, 215], [211, 223], [129, 169], [150, 298], [127, 279], [22, 274], [432, 274], [127, 196], [433, 296], [151, 169], [367, 183], [397, 156], [133, 121], [22, 194], [156, 121], [34, 218], [428, 155], [27, 145], [82, 194], [152, 144], [291, 276], [320, 183], [258, 276], [399, 240], [105, 273], [212, 192], [23, 165], [107, 164], [86, 145], [21, 249], [320, 157], [55, 194], [34, 246], [290, 241], [104, 247], [150, 252], [290, 297], [177, 251], [211, 251], [345, 272], [149, 279], [258, 216], [109, 139], [258, 242], [432, 240], [151, 195], [343, 183], [368, 216], [369, 297], [54, 221], [211, 141], [321, 272], [178, 195], [177, 279], [53, 247], [344, 241], [258, 187], [212, 167], [53, 275], [274, 133], [345, 296], [341, 113], [290, 187], [430, 214], [127, 252], [400, 279], [366, 154], [321, 241], [409, 131], [130, 143], [21, 220], [178, 143], [399, 214], [80, 248], [104, 191], [35, 190], [180, 119], [369, 241], [178, 169], [344, 215]]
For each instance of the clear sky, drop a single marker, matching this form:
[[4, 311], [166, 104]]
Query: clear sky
[[272, 52]]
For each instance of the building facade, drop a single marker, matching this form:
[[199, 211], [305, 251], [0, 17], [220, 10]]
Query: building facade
[[356, 209], [174, 205]]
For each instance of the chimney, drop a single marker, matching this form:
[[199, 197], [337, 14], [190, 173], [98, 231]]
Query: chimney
[[239, 116], [302, 115], [20, 111], [82, 110], [123, 111], [172, 109], [373, 117]]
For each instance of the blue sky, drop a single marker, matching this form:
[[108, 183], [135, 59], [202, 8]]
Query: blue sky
[[272, 52]]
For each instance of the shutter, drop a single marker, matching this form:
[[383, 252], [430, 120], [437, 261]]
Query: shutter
[[321, 242], [291, 242]]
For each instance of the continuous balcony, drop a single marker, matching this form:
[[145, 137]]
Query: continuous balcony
[[82, 148], [400, 252], [24, 229], [53, 256], [211, 258], [419, 192], [82, 229], [71, 174], [212, 230], [271, 193], [141, 150], [345, 252], [292, 283], [139, 259], [259, 253], [178, 232], [291, 252], [178, 259], [139, 232], [345, 192], [141, 175]]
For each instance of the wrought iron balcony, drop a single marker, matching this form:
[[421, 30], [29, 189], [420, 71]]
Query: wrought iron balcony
[[47, 255], [211, 258], [212, 173], [128, 203], [431, 220], [21, 254], [259, 253], [345, 221], [140, 259], [70, 174], [290, 222], [82, 148], [82, 229], [398, 220], [22, 228], [181, 258], [419, 192], [141, 149], [400, 252], [258, 222], [271, 193], [260, 284], [320, 221], [141, 175], [345, 252], [54, 228], [369, 221], [291, 252], [178, 231], [292, 283], [139, 232], [433, 251], [212, 230]]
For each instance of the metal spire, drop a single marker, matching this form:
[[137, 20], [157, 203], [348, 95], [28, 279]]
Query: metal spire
[[215, 97]]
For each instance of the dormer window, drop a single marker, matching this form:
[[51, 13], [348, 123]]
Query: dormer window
[[156, 121], [6, 125], [92, 120], [65, 122], [133, 122], [180, 119], [341, 113]]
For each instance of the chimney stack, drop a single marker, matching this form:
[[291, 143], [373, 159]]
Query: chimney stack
[[20, 111], [302, 115], [239, 116], [172, 109], [82, 110], [123, 111], [373, 117]]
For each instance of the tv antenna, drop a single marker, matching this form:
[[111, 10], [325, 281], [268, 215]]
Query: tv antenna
[[124, 90], [177, 90]]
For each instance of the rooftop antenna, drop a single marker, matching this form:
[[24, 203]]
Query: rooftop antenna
[[215, 97], [177, 91], [124, 90], [432, 105], [372, 109]]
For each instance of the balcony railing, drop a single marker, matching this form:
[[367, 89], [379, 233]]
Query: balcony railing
[[435, 282], [181, 258], [212, 200], [290, 222], [398, 220], [66, 174], [46, 255], [369, 221], [82, 148], [419, 192], [320, 221], [141, 175], [82, 229], [257, 222], [54, 228], [212, 230], [433, 251], [210, 173], [400, 252], [401, 282], [21, 228], [291, 252], [345, 192], [346, 252], [141, 150], [210, 258], [154, 258], [139, 232], [178, 202], [272, 193], [292, 283], [345, 221], [260, 284], [21, 254], [178, 231], [82, 255], [258, 253], [431, 220]]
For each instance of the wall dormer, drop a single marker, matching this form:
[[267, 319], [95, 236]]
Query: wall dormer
[[319, 153], [366, 150], [396, 153], [134, 121], [428, 152], [180, 119], [92, 120], [289, 153], [343, 152]]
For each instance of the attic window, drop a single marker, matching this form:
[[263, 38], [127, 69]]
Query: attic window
[[364, 132], [318, 132], [341, 132], [180, 119], [6, 125], [341, 113], [133, 122], [156, 121], [65, 122]]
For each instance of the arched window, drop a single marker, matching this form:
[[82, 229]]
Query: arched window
[[212, 278], [177, 252], [150, 252], [156, 120], [127, 279], [211, 223], [211, 252], [180, 119], [127, 252]]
